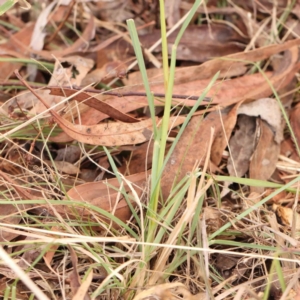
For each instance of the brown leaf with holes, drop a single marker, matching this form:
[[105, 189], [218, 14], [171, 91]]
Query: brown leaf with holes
[[108, 134]]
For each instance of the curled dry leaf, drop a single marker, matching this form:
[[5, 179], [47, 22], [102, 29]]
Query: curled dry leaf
[[267, 109], [260, 127], [92, 101], [223, 64], [109, 134], [233, 91]]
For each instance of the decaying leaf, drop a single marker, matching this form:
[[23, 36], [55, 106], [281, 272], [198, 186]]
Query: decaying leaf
[[221, 40], [13, 48], [80, 45], [256, 142], [115, 69], [9, 215], [70, 70], [242, 145], [191, 148], [268, 110], [109, 134], [92, 101], [75, 281], [265, 157]]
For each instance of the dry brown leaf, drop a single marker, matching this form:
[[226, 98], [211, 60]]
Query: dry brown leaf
[[92, 101], [64, 166], [191, 148], [221, 140], [80, 45], [49, 255], [106, 195], [215, 40], [210, 68], [279, 79], [114, 69], [194, 80], [242, 145], [109, 134], [13, 48], [142, 153], [220, 92], [268, 110], [82, 292], [9, 215], [265, 157], [74, 277], [69, 153], [223, 64]]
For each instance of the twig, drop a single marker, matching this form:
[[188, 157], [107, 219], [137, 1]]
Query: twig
[[118, 94]]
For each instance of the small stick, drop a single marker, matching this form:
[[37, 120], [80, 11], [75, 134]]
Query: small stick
[[118, 94]]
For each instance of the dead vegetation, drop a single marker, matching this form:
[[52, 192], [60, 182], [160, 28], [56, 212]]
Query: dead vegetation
[[79, 165]]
